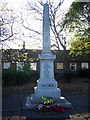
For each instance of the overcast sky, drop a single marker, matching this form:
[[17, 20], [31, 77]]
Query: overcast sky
[[18, 5]]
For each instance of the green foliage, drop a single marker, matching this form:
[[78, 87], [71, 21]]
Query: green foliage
[[80, 46], [70, 75], [78, 14], [13, 77], [66, 77], [77, 21], [84, 73], [47, 100], [26, 67], [58, 76]]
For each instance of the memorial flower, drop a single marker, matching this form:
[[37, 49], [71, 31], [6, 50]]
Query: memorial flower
[[47, 101], [55, 108], [39, 107], [49, 105]]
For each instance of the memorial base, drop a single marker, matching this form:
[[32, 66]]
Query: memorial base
[[49, 90], [30, 104]]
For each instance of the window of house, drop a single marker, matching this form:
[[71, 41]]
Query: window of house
[[84, 65], [33, 66], [59, 65], [6, 65], [73, 66], [20, 66]]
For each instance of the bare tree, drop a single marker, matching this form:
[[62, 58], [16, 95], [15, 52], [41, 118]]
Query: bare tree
[[6, 23], [25, 24], [56, 21]]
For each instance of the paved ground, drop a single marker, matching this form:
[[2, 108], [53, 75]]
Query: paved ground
[[13, 109]]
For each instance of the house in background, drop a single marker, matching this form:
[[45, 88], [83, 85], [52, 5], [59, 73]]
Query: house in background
[[17, 58]]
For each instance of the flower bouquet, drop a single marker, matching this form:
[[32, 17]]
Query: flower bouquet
[[48, 104], [47, 101]]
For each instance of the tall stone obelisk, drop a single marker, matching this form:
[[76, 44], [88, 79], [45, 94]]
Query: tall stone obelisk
[[46, 31], [46, 85]]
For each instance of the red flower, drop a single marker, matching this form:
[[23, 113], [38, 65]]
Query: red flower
[[58, 108], [55, 107], [47, 107], [62, 109]]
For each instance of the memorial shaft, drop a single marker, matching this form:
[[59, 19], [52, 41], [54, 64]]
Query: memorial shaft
[[46, 30]]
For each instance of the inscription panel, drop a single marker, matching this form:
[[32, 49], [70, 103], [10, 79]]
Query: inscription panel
[[47, 69], [47, 85]]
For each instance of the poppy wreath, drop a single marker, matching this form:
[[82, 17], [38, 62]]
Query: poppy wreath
[[55, 108], [50, 108]]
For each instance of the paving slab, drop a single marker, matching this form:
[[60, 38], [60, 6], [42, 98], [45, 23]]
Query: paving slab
[[13, 106], [6, 114], [30, 114], [11, 103]]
